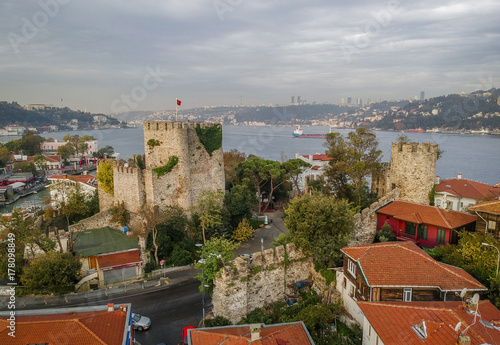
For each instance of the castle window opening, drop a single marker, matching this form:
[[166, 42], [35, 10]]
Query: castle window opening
[[157, 126]]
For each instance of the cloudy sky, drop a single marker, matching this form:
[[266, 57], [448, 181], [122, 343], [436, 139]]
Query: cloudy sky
[[110, 56]]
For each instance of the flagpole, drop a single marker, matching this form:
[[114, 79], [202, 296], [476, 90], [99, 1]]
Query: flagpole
[[176, 109]]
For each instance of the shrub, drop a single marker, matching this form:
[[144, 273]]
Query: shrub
[[244, 231], [385, 234], [217, 322]]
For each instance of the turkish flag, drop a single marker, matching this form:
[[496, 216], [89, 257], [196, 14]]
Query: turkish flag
[[178, 102]]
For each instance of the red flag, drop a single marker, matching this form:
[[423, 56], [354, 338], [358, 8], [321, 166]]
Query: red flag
[[178, 102]]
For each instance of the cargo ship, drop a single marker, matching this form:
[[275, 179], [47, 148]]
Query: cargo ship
[[299, 133], [418, 130]]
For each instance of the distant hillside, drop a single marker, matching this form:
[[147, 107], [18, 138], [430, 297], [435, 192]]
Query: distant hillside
[[474, 111], [14, 114]]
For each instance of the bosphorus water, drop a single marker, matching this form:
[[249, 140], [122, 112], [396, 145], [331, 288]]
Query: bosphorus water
[[477, 157]]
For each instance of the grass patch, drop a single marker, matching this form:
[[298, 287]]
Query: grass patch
[[256, 223]]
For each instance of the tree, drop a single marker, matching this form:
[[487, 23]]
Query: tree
[[294, 168], [105, 176], [52, 272], [5, 156], [215, 254], [69, 200], [120, 214], [65, 151], [357, 157], [40, 162], [320, 225], [30, 143], [239, 202], [105, 151], [244, 231], [209, 210], [25, 167], [231, 161]]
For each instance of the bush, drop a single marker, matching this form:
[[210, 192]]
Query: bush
[[217, 322], [244, 231], [385, 234], [150, 266], [181, 257]]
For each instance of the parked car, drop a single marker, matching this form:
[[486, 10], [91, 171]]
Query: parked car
[[185, 334], [140, 322]]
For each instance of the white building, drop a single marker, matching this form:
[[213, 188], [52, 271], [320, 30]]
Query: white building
[[459, 194], [52, 146], [61, 186], [315, 172]]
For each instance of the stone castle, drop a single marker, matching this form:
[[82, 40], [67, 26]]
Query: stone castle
[[175, 169], [412, 170]]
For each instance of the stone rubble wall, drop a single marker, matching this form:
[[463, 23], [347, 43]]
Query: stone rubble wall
[[365, 223], [247, 286]]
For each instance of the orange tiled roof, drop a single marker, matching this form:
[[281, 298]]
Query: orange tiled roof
[[290, 333], [117, 259], [467, 189], [425, 214], [489, 207], [50, 158], [405, 264], [321, 157], [316, 167], [393, 320], [89, 328], [87, 179]]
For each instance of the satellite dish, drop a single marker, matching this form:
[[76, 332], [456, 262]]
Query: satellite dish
[[475, 298], [464, 291], [457, 327]]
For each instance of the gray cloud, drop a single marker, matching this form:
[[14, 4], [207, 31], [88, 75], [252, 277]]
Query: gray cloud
[[90, 53]]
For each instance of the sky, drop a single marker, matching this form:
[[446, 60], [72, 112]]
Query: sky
[[118, 56]]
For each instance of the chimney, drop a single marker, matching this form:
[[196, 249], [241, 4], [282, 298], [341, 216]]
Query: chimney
[[459, 176], [123, 307], [464, 340], [438, 180], [255, 331], [111, 306]]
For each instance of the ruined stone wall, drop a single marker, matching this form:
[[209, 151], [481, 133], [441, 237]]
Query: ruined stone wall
[[247, 286], [412, 170], [365, 223], [195, 172]]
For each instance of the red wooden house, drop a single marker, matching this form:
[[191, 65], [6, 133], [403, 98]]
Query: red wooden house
[[428, 226]]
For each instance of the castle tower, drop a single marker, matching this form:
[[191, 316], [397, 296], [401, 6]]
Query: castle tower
[[177, 146], [412, 170]]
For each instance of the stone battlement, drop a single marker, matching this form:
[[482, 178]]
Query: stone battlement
[[120, 169], [412, 148], [166, 125]]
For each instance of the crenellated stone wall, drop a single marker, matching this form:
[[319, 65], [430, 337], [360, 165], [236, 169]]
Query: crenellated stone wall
[[412, 170], [246, 286]]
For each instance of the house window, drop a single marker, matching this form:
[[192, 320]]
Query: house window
[[410, 228], [438, 202], [441, 236], [492, 225], [450, 205], [407, 295], [351, 268], [422, 231]]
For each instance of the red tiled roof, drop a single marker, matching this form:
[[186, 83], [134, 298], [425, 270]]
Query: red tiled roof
[[405, 264], [467, 189], [316, 167], [321, 157], [87, 179], [118, 259], [290, 333], [423, 214], [50, 158], [89, 328], [489, 207], [393, 320]]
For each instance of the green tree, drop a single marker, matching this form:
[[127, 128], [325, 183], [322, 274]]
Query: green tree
[[215, 254], [5, 156], [69, 200], [244, 231], [105, 176], [65, 151], [30, 143], [52, 272], [356, 157], [231, 160], [320, 225], [294, 169], [104, 151], [25, 167], [239, 202], [40, 162], [209, 209], [120, 214]]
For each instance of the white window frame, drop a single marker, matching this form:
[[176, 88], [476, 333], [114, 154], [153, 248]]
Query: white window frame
[[351, 268], [407, 294], [492, 225]]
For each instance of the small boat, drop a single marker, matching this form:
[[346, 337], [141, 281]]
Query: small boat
[[420, 130], [299, 133]]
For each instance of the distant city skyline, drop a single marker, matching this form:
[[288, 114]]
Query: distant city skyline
[[116, 56]]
